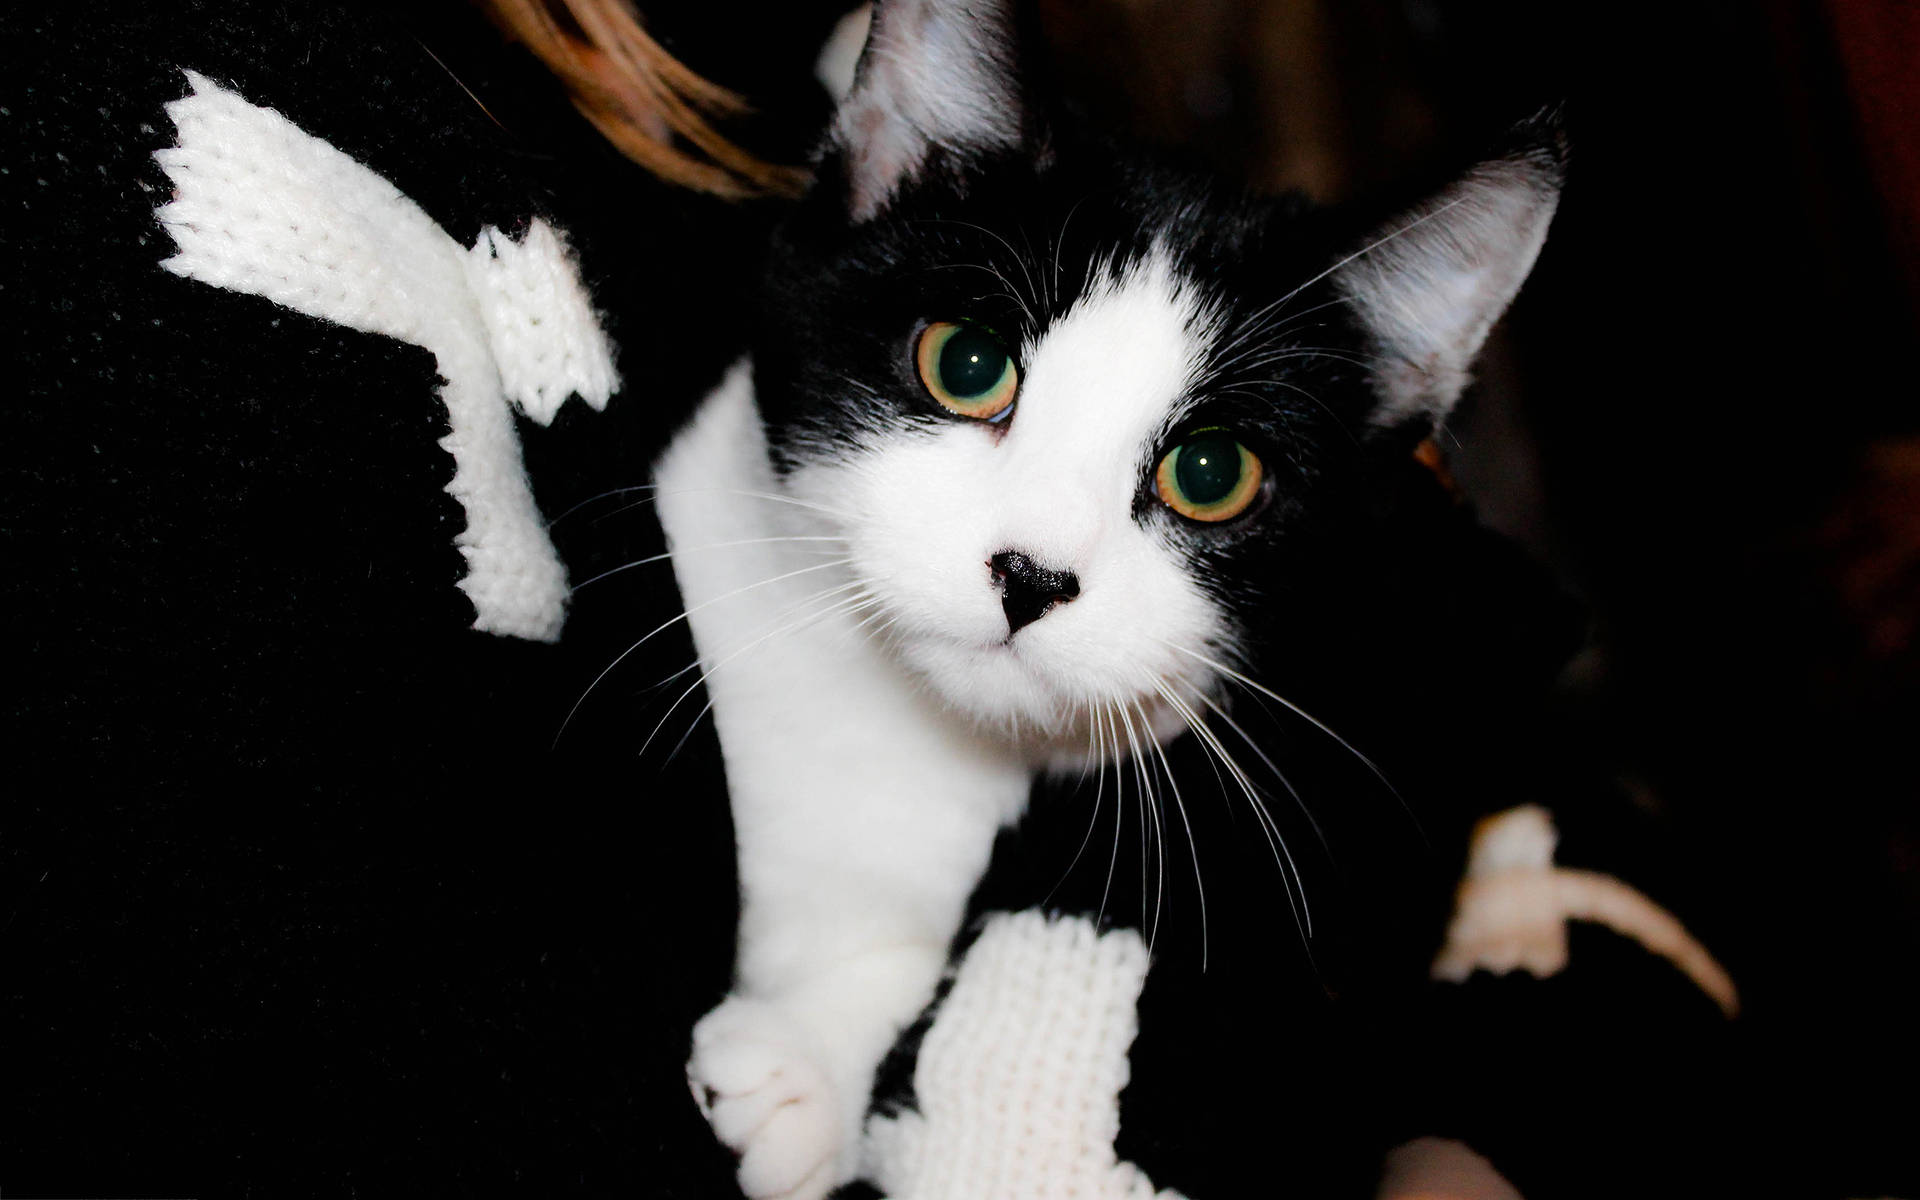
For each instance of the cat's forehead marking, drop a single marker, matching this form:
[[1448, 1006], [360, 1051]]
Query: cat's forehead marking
[[1114, 370]]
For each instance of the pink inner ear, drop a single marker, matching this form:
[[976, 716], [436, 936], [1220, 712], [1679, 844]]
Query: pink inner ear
[[933, 74], [1430, 286], [880, 156]]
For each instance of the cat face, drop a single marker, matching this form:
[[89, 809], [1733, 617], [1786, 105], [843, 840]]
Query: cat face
[[1090, 426]]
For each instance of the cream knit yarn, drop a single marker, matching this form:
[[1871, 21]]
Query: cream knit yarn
[[1018, 1081]]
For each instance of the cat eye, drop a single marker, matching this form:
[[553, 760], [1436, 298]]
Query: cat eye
[[967, 370], [1209, 476]]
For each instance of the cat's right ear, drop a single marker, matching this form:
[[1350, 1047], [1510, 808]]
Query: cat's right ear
[[1429, 286], [938, 80]]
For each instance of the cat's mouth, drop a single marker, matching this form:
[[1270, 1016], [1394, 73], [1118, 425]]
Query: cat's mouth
[[1042, 697]]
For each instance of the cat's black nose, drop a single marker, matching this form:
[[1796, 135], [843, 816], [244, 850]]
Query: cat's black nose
[[1027, 589]]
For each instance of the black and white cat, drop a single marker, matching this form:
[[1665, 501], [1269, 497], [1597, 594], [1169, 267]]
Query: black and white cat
[[1039, 446]]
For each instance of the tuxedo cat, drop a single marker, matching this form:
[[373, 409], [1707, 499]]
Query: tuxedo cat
[[1041, 454]]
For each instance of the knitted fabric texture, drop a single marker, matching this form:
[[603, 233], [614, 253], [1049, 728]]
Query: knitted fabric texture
[[1018, 1082], [540, 325], [1514, 905], [262, 207]]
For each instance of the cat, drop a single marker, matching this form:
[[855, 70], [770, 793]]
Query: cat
[[1039, 446]]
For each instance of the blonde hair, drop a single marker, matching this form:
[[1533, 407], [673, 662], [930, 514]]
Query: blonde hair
[[646, 102]]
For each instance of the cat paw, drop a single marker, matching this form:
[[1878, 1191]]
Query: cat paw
[[755, 1076]]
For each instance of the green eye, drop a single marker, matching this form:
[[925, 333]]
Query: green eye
[[1209, 477], [967, 370]]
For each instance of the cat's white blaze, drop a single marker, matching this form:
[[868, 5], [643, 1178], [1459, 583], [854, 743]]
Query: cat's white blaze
[[864, 814], [1058, 484]]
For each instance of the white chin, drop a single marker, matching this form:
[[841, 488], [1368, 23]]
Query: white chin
[[1004, 693], [991, 685]]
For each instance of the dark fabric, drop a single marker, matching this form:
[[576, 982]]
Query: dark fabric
[[300, 894]]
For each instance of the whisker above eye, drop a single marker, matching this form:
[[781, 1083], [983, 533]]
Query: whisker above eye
[[1358, 358], [1032, 316], [1259, 330], [1369, 248], [1058, 242], [1294, 387], [1006, 286]]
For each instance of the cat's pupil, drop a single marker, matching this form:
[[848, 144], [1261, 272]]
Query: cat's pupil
[[971, 363], [1208, 468]]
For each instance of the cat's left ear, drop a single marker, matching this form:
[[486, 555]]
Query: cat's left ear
[[938, 78], [1429, 285]]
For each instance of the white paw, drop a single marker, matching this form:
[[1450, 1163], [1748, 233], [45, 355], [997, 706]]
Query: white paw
[[757, 1078]]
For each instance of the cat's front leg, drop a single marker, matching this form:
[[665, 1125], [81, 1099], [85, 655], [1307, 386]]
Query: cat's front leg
[[863, 810], [784, 1078], [856, 861], [850, 895]]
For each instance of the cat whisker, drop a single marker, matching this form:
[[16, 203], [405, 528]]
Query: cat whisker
[[671, 622], [1119, 807], [1291, 881], [1096, 762], [1293, 387], [837, 592], [1149, 850], [1261, 689], [1298, 800], [1375, 244], [619, 491], [865, 626], [1156, 811], [1193, 844], [1006, 286], [849, 604], [1250, 328], [1039, 293], [706, 675], [1145, 784], [1288, 353], [773, 497], [668, 556], [1059, 241], [1258, 331], [1032, 316]]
